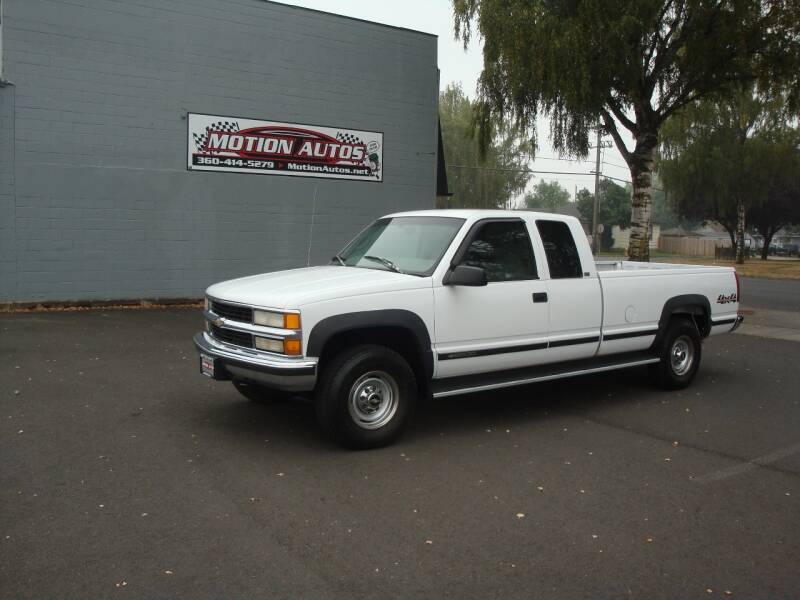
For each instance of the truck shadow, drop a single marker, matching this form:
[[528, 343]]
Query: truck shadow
[[532, 402], [292, 422], [289, 421]]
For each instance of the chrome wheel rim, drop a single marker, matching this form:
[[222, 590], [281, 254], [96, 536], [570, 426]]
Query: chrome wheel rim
[[681, 355], [373, 400]]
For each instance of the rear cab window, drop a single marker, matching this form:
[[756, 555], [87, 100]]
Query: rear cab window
[[560, 250]]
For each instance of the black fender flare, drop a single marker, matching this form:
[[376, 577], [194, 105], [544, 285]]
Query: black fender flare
[[692, 304], [325, 329]]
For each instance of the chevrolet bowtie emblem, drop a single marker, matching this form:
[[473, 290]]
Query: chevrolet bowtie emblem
[[219, 322]]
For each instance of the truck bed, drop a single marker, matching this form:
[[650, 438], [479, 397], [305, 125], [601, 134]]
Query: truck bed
[[634, 294], [605, 266]]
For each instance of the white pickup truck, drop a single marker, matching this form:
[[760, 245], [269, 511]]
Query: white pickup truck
[[439, 303]]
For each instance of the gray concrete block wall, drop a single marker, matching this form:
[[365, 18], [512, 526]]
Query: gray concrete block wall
[[8, 250], [98, 203]]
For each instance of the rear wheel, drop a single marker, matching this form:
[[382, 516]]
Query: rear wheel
[[258, 393], [365, 396], [680, 353]]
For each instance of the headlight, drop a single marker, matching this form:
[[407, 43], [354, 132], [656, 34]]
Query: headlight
[[269, 344], [268, 319], [277, 320]]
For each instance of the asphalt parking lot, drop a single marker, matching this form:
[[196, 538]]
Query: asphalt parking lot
[[126, 473]]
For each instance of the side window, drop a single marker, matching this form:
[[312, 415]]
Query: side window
[[560, 248], [503, 249]]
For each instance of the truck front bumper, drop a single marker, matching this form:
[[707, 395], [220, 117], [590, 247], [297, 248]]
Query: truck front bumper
[[223, 362]]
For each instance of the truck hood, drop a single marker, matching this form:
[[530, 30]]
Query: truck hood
[[294, 288]]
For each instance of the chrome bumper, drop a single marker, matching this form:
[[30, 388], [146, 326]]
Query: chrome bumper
[[289, 374]]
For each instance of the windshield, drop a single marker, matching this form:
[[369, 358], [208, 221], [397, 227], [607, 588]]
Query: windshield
[[413, 245]]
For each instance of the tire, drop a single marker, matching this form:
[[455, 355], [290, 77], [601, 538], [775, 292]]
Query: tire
[[365, 396], [680, 352], [258, 393]]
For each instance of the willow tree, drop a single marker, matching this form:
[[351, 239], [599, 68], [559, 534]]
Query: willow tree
[[732, 159], [488, 179], [626, 65], [708, 162]]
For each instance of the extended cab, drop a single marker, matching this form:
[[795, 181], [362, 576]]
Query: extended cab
[[450, 302]]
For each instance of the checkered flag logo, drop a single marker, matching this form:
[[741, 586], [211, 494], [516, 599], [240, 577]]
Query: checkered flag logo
[[200, 139], [348, 138]]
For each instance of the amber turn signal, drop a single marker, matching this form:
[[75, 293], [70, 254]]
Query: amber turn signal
[[291, 321], [291, 347]]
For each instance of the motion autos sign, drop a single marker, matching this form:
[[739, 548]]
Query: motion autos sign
[[230, 144]]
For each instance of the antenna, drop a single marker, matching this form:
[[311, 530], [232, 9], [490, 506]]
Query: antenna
[[311, 228]]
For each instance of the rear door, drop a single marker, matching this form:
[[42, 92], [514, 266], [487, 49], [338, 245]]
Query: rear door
[[574, 293], [502, 325]]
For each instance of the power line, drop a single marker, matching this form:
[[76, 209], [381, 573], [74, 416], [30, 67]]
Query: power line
[[618, 179], [537, 157], [630, 182], [519, 170], [605, 162], [535, 172]]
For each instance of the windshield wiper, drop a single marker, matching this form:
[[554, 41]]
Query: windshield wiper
[[386, 263], [339, 259]]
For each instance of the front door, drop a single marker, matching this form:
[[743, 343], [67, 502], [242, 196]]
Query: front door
[[503, 325]]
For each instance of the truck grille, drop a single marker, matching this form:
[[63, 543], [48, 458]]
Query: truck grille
[[232, 311], [237, 338]]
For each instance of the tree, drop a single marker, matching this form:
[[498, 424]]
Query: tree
[[627, 64], [706, 146], [488, 180], [615, 202], [731, 159], [547, 195], [779, 205]]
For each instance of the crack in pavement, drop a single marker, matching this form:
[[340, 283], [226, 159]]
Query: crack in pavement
[[761, 461], [745, 464]]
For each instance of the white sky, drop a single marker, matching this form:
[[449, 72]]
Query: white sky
[[455, 64]]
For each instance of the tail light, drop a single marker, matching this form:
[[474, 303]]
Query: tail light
[[738, 287]]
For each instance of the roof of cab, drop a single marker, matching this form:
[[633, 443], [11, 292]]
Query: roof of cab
[[463, 213]]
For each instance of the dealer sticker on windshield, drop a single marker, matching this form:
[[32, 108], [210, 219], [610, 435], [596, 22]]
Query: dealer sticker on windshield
[[207, 365]]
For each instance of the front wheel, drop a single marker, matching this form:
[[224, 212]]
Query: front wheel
[[680, 353], [365, 396]]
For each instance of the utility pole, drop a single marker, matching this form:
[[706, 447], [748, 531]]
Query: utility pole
[[595, 233], [595, 241]]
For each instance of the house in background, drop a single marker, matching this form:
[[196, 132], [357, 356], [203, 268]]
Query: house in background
[[785, 241]]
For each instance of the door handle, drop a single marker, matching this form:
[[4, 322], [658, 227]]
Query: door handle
[[540, 296]]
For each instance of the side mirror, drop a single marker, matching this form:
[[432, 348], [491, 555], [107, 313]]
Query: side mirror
[[465, 275]]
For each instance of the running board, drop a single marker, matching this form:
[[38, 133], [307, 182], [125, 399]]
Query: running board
[[469, 384]]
